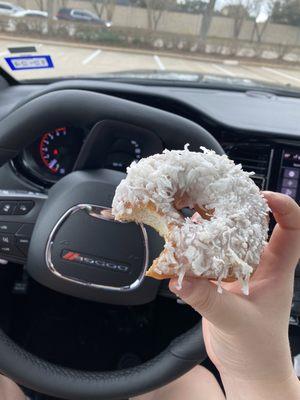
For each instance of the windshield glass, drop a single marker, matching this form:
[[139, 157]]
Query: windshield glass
[[241, 41]]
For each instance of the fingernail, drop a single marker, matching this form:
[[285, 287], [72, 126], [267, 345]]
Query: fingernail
[[184, 291]]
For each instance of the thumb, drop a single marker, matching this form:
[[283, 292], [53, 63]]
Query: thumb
[[225, 310]]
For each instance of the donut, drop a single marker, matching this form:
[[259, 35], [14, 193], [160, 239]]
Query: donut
[[223, 241]]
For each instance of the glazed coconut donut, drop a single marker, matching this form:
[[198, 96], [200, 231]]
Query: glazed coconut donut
[[224, 242]]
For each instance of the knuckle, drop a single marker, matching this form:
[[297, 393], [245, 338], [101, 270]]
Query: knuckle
[[204, 301]]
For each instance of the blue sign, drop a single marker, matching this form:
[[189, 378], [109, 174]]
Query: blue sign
[[29, 62]]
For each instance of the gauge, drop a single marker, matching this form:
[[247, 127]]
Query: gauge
[[122, 153], [53, 155], [58, 151]]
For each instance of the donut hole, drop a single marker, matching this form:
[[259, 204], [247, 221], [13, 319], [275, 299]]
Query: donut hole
[[196, 213], [187, 212], [181, 202]]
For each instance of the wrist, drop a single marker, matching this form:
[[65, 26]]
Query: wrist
[[277, 389]]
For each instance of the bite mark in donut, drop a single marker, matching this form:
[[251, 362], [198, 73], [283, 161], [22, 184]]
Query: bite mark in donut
[[232, 221]]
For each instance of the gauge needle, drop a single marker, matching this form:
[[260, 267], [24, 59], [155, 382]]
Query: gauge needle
[[52, 163]]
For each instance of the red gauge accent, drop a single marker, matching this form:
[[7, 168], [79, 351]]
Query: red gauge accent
[[52, 150], [42, 149]]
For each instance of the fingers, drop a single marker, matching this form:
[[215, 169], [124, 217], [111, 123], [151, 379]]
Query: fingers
[[285, 240], [285, 210], [220, 309]]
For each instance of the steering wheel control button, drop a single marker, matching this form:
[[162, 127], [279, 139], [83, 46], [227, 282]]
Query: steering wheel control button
[[9, 227], [22, 244], [23, 207], [7, 207], [25, 230], [6, 239], [6, 249]]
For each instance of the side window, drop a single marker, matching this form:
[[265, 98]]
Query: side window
[[76, 14], [79, 13], [5, 7], [82, 15], [85, 15]]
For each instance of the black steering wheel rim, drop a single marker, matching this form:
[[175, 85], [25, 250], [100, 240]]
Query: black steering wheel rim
[[185, 351], [28, 370]]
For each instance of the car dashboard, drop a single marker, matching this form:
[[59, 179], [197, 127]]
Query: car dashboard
[[257, 129]]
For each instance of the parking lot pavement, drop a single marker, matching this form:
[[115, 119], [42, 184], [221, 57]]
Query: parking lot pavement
[[70, 60]]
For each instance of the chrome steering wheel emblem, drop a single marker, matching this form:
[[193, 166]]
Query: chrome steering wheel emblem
[[84, 259]]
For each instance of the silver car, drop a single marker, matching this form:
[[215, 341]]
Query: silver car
[[9, 8]]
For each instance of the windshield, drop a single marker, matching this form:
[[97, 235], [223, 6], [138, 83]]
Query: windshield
[[243, 41]]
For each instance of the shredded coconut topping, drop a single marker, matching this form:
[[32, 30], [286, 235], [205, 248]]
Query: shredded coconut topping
[[229, 244]]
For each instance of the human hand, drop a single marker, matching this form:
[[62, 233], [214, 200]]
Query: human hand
[[246, 337]]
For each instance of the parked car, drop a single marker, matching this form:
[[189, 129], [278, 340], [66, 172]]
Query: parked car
[[9, 8], [28, 20], [31, 13], [76, 14]]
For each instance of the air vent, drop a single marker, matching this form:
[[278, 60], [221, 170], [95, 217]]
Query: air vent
[[253, 157]]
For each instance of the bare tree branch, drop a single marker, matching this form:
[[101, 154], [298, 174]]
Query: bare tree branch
[[206, 22], [40, 5], [101, 6], [155, 10], [256, 8]]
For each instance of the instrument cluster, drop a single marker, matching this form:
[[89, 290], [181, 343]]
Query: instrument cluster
[[55, 153]]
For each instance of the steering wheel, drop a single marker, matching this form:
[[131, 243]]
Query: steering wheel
[[77, 249]]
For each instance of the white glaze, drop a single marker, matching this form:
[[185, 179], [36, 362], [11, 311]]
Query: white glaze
[[234, 236]]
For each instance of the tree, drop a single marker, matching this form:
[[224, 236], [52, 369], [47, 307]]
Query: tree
[[155, 10], [238, 11], [286, 12], [65, 3], [107, 6], [192, 6], [41, 5], [50, 10], [205, 23], [98, 7], [259, 27]]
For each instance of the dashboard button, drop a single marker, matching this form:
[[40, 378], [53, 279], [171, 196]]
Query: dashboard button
[[25, 230], [9, 227], [6, 239], [7, 207], [11, 251], [23, 207], [22, 244], [6, 249]]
